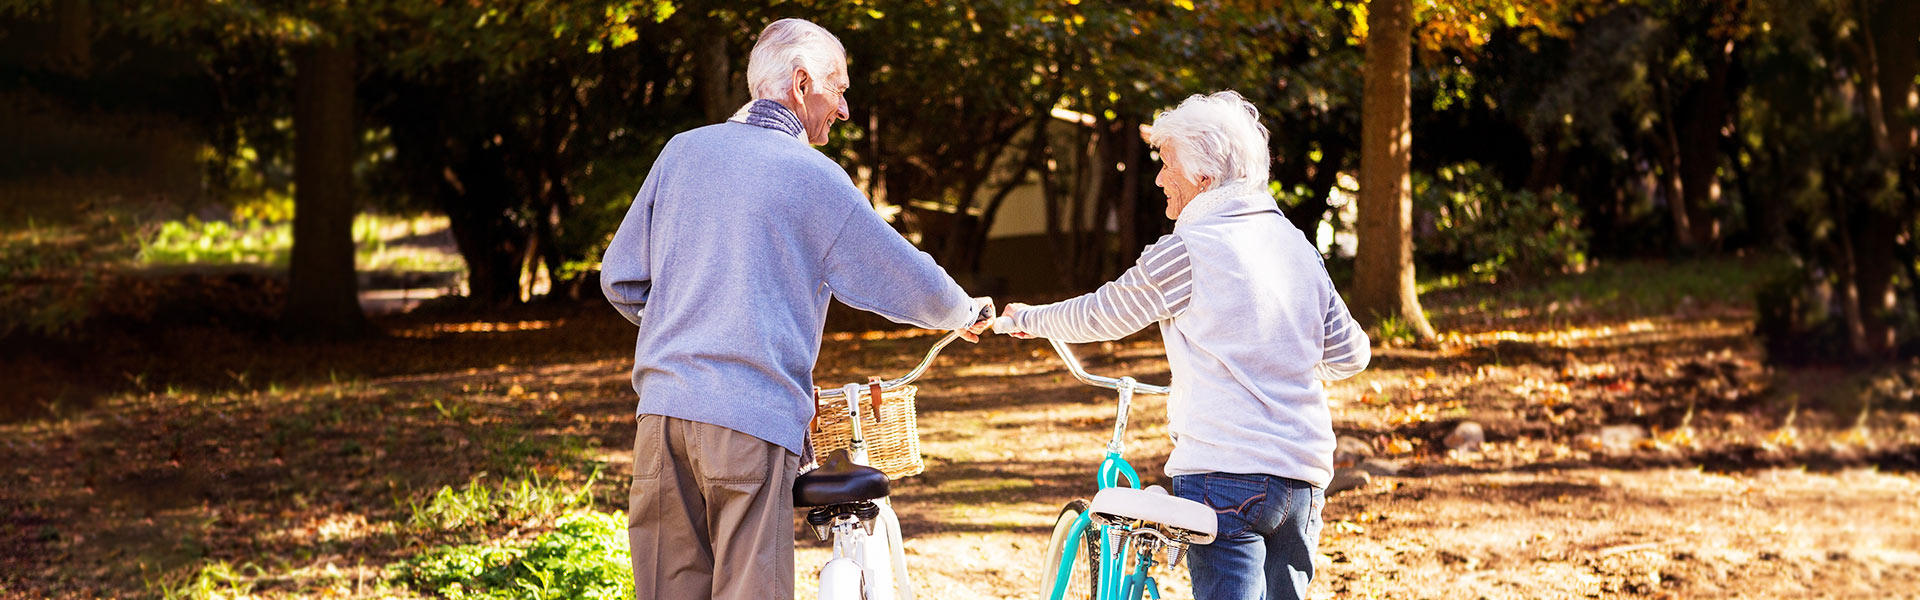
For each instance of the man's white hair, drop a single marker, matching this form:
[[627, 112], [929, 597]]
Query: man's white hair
[[789, 43], [1217, 136]]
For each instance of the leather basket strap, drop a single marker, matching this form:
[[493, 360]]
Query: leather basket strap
[[814, 424]]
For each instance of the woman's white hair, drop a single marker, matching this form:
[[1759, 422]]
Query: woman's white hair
[[789, 43], [1216, 136]]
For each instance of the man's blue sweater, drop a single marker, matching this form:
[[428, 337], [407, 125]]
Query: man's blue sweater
[[726, 261]]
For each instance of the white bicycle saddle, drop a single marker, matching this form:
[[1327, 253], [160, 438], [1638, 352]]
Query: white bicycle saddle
[[1153, 505]]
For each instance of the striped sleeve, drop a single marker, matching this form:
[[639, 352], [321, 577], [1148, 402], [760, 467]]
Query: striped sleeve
[[1347, 348], [1158, 287]]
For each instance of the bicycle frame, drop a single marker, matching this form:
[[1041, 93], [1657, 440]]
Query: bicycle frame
[[875, 553], [871, 560], [1115, 544]]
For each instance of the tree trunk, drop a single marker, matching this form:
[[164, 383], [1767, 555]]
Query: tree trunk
[[1666, 147], [715, 75], [1104, 262], [1383, 264], [965, 237], [1085, 216], [322, 294], [1034, 161], [1705, 106], [1313, 209], [1847, 289], [72, 50], [1898, 36], [1893, 61], [992, 212], [877, 157], [558, 125], [1131, 153], [1549, 162], [1052, 200], [479, 204]]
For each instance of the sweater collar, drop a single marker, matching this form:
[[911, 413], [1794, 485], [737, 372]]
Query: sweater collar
[[1220, 198], [771, 115]]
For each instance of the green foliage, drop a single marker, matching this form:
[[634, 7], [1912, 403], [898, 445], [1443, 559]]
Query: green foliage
[[192, 241], [1609, 289], [1798, 318], [260, 241], [526, 499], [216, 580], [1480, 224], [1391, 331], [585, 556], [452, 570], [52, 277], [605, 192], [1836, 195]]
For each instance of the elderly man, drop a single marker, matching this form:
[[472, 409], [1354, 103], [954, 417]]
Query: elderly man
[[726, 261], [1252, 326]]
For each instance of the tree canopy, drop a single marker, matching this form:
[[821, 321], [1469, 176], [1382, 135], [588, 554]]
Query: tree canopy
[[1645, 126]]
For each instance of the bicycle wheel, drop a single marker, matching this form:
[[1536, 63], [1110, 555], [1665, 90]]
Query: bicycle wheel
[[1083, 576], [841, 579]]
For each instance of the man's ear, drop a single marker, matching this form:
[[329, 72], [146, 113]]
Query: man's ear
[[802, 81]]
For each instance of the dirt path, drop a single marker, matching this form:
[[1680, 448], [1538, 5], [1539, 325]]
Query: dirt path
[[300, 466], [1009, 439]]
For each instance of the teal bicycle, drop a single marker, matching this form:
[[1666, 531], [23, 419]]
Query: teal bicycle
[[1105, 549]]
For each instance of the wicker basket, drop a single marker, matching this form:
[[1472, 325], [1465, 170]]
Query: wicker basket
[[893, 439]]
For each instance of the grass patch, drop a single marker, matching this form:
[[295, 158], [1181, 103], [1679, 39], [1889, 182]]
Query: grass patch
[[378, 243], [528, 499], [212, 581], [1610, 290], [585, 556], [1393, 330], [51, 273]]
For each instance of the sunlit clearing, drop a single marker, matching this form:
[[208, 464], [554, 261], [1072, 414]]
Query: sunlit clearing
[[479, 327], [882, 334]]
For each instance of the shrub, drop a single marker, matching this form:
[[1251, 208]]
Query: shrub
[[514, 501], [1476, 223], [585, 556]]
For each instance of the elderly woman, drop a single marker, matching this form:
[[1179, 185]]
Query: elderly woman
[[1252, 326]]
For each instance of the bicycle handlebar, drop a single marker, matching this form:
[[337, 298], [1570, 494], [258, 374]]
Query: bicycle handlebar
[[1005, 325], [1059, 347], [1073, 366], [910, 376]]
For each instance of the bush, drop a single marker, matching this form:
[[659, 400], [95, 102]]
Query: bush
[[512, 501], [192, 241], [1469, 220], [1802, 318], [585, 556]]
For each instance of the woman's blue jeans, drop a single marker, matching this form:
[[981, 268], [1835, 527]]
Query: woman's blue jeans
[[1269, 529]]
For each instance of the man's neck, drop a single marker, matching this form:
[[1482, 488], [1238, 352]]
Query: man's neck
[[772, 114]]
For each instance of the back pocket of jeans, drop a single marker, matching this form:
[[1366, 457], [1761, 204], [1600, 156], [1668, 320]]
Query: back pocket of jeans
[[1238, 501]]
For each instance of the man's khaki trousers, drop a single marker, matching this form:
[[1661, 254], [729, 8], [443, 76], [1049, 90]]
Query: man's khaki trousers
[[710, 514]]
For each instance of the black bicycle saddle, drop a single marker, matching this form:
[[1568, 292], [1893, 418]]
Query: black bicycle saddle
[[839, 481]]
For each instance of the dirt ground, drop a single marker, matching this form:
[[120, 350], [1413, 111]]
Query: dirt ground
[[1524, 518], [298, 464]]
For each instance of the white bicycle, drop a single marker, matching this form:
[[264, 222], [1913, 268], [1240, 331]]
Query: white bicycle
[[849, 506]]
